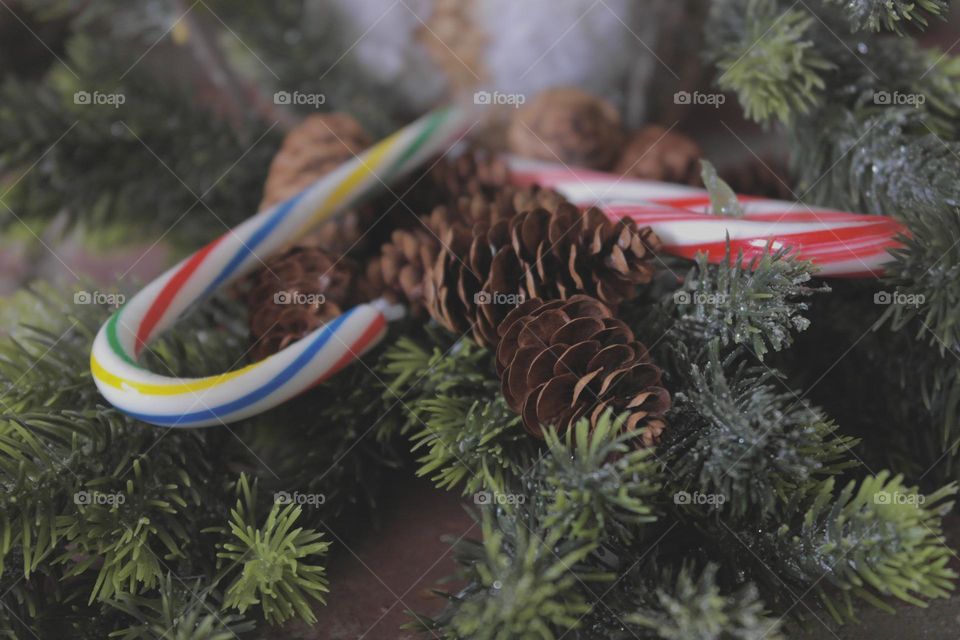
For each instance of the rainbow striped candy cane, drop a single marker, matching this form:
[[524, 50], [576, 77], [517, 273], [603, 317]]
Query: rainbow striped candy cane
[[842, 244], [195, 402]]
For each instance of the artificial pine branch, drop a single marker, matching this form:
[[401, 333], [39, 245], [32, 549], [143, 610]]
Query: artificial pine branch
[[758, 302], [767, 57], [892, 15], [690, 605], [456, 414], [62, 559], [180, 611], [274, 563], [740, 434], [523, 583], [105, 165], [597, 483], [868, 542]]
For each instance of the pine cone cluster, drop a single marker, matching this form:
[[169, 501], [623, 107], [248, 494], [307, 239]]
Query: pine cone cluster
[[564, 360], [470, 190], [296, 292], [483, 271]]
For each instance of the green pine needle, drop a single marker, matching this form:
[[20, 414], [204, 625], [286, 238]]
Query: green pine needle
[[275, 562]]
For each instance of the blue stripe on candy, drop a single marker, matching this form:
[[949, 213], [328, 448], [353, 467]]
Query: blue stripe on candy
[[256, 395], [256, 238]]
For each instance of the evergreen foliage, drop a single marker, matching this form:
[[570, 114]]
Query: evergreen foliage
[[892, 15], [691, 606], [585, 534], [99, 511], [757, 303], [451, 396]]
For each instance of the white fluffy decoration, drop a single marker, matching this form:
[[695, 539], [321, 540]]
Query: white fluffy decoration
[[603, 46]]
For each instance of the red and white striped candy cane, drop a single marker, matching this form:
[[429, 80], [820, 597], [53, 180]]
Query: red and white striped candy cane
[[842, 244]]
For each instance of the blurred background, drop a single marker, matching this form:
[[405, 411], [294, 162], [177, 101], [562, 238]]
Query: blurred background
[[203, 111]]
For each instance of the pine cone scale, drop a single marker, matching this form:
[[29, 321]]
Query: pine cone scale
[[563, 360]]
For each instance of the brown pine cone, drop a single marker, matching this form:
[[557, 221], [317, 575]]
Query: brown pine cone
[[483, 271], [563, 360], [567, 125], [296, 292], [655, 153], [312, 149]]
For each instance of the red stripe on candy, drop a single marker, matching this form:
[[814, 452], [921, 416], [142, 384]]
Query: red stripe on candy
[[168, 293]]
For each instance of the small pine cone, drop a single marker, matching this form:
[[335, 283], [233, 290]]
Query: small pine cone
[[655, 153], [563, 360], [485, 270], [398, 272], [296, 292], [314, 148], [570, 126]]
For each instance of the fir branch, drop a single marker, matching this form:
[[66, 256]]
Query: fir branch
[[523, 583], [458, 416], [103, 165], [767, 57], [743, 440], [179, 611], [691, 606], [925, 279], [757, 302], [892, 15], [274, 562], [869, 542], [598, 483]]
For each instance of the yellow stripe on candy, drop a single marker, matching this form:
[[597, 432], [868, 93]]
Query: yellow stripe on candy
[[349, 184], [104, 376]]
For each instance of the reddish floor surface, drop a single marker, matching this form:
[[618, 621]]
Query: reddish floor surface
[[378, 577]]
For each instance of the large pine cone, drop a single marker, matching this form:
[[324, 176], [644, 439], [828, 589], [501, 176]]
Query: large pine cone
[[560, 361], [485, 270], [297, 292], [567, 125]]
